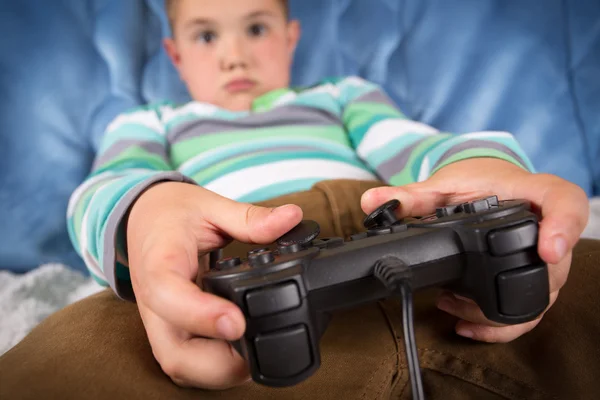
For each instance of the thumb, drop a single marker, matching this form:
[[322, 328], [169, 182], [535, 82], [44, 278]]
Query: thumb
[[255, 224], [416, 199]]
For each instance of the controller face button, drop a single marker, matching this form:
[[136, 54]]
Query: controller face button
[[274, 299], [283, 353], [359, 236], [510, 240], [379, 231], [329, 243], [523, 290], [291, 248], [303, 233], [480, 205], [228, 263], [261, 258], [255, 251]]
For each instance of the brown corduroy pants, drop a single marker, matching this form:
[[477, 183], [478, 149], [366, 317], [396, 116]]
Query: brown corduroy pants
[[98, 349]]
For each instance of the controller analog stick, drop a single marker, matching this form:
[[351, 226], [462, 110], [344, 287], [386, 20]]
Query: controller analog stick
[[383, 216], [302, 234]]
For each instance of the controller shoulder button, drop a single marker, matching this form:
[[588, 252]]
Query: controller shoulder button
[[273, 299], [522, 290], [510, 240], [284, 353]]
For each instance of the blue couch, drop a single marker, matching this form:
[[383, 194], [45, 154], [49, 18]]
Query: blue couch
[[68, 67]]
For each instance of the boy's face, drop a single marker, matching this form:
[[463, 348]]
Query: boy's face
[[228, 52]]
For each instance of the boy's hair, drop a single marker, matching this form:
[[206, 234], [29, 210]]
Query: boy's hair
[[171, 4]]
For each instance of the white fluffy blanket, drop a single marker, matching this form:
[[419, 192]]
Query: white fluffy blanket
[[25, 300]]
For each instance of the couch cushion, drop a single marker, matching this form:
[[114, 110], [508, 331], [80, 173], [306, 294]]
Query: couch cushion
[[70, 66]]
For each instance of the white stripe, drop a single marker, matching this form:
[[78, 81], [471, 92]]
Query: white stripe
[[196, 108], [285, 99], [355, 80], [89, 260], [383, 132], [487, 134], [425, 169], [240, 183], [146, 118]]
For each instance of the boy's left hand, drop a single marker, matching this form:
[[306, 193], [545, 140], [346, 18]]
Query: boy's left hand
[[563, 206]]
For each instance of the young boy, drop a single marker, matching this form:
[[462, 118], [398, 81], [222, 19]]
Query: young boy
[[174, 181]]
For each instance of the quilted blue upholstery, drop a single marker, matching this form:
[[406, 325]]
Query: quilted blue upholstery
[[69, 66]]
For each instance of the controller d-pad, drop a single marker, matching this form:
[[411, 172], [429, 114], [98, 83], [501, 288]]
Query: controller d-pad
[[284, 353], [228, 263]]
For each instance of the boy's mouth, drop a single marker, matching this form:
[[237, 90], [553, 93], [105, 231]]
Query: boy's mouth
[[240, 85]]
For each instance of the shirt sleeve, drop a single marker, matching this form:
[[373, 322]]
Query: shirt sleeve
[[132, 157], [403, 151]]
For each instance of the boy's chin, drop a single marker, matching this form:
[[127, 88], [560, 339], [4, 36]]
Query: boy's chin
[[239, 102]]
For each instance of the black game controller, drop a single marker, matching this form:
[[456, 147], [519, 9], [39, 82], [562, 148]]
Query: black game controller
[[485, 250]]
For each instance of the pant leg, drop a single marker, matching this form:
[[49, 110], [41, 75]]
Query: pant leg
[[98, 349]]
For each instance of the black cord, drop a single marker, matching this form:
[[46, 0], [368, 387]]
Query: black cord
[[396, 276], [410, 343]]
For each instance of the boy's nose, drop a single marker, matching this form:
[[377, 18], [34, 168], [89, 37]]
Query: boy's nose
[[233, 56]]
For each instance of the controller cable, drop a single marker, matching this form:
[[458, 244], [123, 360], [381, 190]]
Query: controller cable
[[396, 277]]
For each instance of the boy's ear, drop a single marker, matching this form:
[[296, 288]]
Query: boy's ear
[[172, 52], [294, 32]]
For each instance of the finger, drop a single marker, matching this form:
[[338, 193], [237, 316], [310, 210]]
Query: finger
[[565, 210], [183, 304], [466, 310], [492, 334], [191, 361], [498, 334], [249, 223], [415, 200]]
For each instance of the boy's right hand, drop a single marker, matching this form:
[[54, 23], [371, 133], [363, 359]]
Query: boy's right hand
[[169, 227]]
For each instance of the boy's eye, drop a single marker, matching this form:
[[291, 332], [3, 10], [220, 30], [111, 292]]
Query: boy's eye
[[206, 37], [257, 30]]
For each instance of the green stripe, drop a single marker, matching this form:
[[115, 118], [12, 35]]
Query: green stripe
[[252, 160], [477, 153], [360, 113], [184, 150], [82, 206], [410, 173], [358, 134], [134, 157], [131, 131]]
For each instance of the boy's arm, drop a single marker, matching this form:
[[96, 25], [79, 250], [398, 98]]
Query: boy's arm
[[403, 151], [132, 157]]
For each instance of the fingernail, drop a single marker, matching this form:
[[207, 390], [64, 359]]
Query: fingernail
[[560, 246], [466, 333], [445, 305], [226, 327]]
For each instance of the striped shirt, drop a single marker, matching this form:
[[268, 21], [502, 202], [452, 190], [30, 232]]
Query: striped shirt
[[290, 139]]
